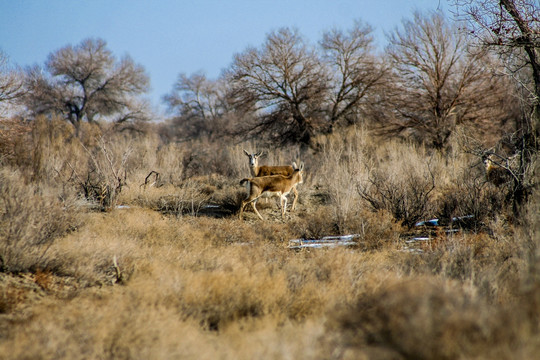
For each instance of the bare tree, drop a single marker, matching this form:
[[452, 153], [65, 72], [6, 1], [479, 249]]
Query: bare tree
[[11, 82], [511, 29], [199, 105], [440, 80], [285, 91], [86, 82], [357, 74], [284, 83]]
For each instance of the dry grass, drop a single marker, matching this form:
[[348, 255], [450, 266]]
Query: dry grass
[[177, 275], [29, 222]]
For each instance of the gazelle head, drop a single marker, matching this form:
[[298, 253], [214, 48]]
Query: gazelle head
[[253, 158], [300, 171]]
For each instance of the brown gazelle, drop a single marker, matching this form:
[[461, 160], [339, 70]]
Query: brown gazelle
[[500, 169], [265, 170], [278, 184]]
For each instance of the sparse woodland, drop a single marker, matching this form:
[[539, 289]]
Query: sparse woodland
[[120, 236]]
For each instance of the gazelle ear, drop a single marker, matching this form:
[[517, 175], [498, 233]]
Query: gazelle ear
[[301, 166], [260, 153], [245, 152], [294, 166]]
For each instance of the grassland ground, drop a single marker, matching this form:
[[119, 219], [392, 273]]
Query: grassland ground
[[174, 273], [205, 287]]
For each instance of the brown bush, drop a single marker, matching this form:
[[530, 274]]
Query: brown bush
[[29, 224], [469, 195], [406, 196], [317, 223], [14, 142], [425, 318]]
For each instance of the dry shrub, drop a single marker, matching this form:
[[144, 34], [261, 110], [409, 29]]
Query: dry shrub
[[220, 232], [149, 156], [29, 224], [143, 322], [52, 149], [213, 196], [319, 280], [43, 278], [469, 194], [94, 165], [342, 166], [188, 198], [38, 149], [218, 298], [109, 246], [316, 223], [228, 231], [14, 144], [110, 328], [375, 229], [205, 158], [378, 229], [402, 186], [530, 234], [10, 297], [494, 266], [149, 197], [425, 318], [105, 175], [145, 151]]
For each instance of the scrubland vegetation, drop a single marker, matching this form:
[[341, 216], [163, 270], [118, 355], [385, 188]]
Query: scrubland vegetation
[[166, 276], [120, 237]]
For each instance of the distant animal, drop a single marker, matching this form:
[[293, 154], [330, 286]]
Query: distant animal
[[265, 170], [278, 184], [499, 169]]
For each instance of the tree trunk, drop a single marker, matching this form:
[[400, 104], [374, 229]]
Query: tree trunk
[[528, 38]]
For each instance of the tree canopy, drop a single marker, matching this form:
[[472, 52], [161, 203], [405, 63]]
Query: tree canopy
[[86, 82]]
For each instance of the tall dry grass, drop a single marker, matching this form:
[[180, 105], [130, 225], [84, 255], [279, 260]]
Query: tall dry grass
[[30, 220]]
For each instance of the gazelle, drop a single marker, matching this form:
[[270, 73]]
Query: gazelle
[[278, 184], [500, 169], [265, 170]]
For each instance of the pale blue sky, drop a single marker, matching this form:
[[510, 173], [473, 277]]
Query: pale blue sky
[[169, 37]]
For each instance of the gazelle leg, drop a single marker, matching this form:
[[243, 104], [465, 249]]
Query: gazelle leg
[[295, 197], [255, 208], [283, 204], [244, 203]]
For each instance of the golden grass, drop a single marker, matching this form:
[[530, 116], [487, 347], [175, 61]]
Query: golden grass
[[195, 288]]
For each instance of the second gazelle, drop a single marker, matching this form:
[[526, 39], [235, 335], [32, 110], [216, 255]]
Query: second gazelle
[[266, 170], [277, 184]]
